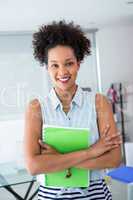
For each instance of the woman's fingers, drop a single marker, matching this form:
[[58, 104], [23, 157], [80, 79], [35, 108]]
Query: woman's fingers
[[106, 130], [114, 137], [47, 149], [113, 143], [41, 143], [44, 145], [112, 147], [116, 141]]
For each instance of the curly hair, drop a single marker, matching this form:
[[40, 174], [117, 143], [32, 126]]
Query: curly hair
[[60, 33]]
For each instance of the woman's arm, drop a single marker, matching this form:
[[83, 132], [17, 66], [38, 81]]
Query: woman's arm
[[37, 163], [104, 161], [111, 158], [98, 162], [43, 163]]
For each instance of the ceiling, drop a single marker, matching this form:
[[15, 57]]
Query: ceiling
[[27, 15]]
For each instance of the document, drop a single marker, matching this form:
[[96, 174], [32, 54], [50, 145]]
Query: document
[[65, 140]]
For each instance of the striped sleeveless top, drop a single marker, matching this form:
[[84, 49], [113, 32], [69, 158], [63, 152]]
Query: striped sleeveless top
[[82, 114]]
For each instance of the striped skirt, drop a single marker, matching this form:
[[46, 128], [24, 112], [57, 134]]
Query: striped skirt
[[97, 190]]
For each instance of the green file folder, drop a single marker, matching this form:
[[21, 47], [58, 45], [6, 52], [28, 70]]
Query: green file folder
[[65, 140]]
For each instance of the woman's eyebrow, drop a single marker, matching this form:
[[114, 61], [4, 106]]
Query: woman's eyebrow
[[53, 61], [67, 59]]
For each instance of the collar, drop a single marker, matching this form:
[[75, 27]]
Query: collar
[[77, 99]]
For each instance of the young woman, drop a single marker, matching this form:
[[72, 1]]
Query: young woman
[[61, 47]]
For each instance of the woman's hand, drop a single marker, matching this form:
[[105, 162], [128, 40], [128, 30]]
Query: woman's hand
[[105, 143], [47, 149]]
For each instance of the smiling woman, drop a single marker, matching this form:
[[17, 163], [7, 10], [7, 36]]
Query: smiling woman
[[62, 46]]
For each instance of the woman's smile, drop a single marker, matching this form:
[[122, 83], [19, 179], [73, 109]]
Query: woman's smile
[[64, 79]]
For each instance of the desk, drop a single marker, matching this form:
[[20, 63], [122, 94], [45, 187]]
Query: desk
[[122, 179], [10, 175], [121, 190]]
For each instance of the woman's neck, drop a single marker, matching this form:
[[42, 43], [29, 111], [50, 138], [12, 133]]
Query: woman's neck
[[66, 96]]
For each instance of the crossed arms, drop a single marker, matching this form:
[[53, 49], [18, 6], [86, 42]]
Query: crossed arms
[[42, 158]]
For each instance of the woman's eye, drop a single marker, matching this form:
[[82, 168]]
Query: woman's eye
[[55, 65], [69, 64]]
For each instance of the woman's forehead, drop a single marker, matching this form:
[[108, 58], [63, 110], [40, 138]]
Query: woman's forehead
[[60, 53]]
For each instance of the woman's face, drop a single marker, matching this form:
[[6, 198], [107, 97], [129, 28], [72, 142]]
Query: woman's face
[[63, 67]]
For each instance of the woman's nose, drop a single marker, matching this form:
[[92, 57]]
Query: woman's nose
[[62, 70]]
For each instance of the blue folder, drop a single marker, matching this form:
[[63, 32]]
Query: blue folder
[[123, 173]]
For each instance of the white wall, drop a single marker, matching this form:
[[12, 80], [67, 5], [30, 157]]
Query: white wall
[[11, 141], [116, 58], [116, 62]]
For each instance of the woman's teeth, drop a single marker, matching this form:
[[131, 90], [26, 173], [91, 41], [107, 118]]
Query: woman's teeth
[[65, 79]]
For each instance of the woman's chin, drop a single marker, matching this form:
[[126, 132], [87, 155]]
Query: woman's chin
[[63, 87]]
